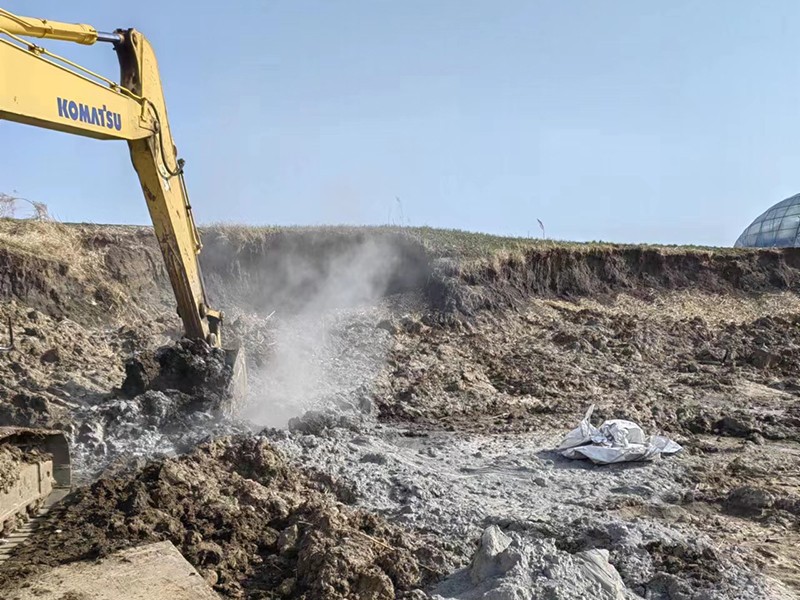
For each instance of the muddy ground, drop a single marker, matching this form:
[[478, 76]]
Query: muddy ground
[[405, 397]]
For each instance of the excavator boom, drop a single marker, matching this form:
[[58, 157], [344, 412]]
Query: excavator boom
[[42, 28], [42, 89], [39, 88]]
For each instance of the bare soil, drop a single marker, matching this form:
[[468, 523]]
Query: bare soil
[[250, 524], [440, 383], [680, 364]]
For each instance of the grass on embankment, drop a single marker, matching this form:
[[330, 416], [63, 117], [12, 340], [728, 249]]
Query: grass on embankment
[[451, 243]]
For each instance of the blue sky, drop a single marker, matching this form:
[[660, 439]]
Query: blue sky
[[629, 121]]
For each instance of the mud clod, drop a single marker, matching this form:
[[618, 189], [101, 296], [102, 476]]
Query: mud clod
[[246, 520], [51, 356], [749, 501], [188, 366]]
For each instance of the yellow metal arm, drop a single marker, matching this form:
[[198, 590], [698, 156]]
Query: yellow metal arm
[[42, 28], [39, 88], [46, 93]]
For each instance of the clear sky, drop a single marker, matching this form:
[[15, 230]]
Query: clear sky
[[618, 120]]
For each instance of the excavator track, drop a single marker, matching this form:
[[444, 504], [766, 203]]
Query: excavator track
[[36, 477], [49, 509]]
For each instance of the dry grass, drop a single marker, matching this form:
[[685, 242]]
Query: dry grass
[[10, 208], [451, 243], [66, 244], [42, 237], [715, 309], [49, 240], [39, 235]]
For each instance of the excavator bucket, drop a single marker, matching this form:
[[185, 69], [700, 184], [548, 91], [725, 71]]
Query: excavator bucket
[[237, 387], [35, 469]]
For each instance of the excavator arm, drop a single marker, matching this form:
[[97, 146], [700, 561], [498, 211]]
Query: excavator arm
[[42, 89]]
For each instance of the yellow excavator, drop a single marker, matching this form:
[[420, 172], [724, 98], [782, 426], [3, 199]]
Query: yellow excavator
[[40, 88]]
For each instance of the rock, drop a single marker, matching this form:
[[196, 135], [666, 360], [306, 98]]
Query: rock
[[709, 356], [315, 422], [209, 553], [155, 405], [366, 405], [748, 501], [90, 433], [508, 591], [192, 538], [674, 587], [789, 504], [210, 575], [387, 325], [540, 481], [735, 425], [690, 367], [411, 324], [415, 595], [287, 540], [139, 372], [374, 584], [375, 458], [485, 563], [286, 587], [515, 566], [51, 356], [762, 358], [17, 368], [595, 566]]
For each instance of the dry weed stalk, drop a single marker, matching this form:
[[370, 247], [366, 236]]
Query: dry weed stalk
[[42, 236], [9, 205]]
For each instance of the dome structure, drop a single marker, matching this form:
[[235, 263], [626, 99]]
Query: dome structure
[[778, 227]]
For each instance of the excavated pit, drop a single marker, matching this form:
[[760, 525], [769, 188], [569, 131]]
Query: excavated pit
[[426, 387]]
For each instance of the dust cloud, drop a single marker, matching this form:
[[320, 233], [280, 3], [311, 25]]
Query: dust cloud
[[324, 343]]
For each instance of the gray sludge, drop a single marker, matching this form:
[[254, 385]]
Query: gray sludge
[[525, 521], [567, 540]]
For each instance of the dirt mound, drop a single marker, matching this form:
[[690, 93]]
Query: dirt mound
[[249, 523], [266, 269], [544, 366], [89, 273], [59, 364]]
